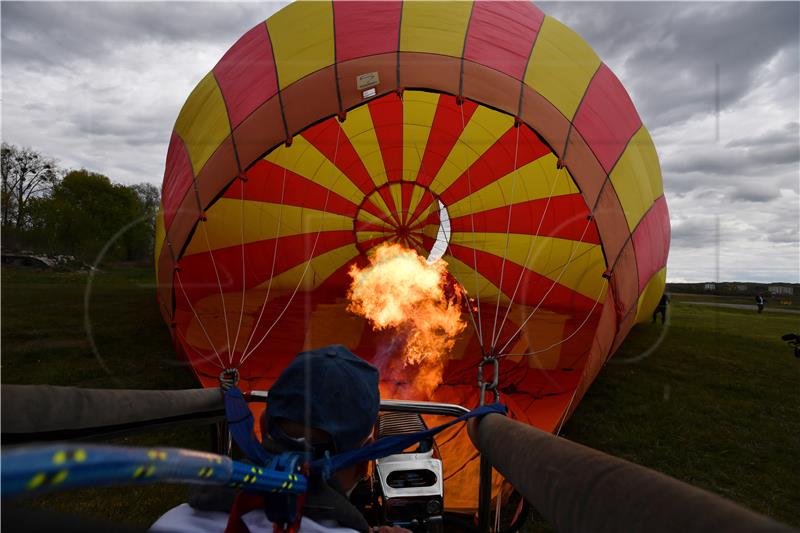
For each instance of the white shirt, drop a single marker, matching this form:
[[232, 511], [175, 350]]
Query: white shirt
[[185, 518]]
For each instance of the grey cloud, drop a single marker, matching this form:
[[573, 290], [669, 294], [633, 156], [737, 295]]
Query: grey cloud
[[47, 34], [753, 192], [114, 121], [694, 232], [789, 235], [105, 82], [789, 133], [734, 161], [668, 53], [726, 192]]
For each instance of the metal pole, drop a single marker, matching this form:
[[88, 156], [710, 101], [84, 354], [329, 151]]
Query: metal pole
[[484, 494], [485, 470]]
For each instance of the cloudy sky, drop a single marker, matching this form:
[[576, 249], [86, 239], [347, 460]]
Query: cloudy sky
[[99, 85]]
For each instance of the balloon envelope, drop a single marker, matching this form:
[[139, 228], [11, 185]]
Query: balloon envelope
[[484, 133]]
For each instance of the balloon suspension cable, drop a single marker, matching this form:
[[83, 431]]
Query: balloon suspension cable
[[199, 321], [311, 255], [514, 175], [497, 509], [533, 240], [564, 415], [272, 270], [242, 181], [474, 241], [603, 287], [218, 363], [202, 222], [550, 289]]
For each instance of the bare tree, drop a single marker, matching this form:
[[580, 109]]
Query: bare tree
[[25, 174]]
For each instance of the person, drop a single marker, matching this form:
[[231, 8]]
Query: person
[[661, 308], [760, 303], [326, 400]]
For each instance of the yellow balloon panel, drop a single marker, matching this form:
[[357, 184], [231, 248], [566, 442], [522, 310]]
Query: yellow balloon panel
[[639, 162], [232, 222], [483, 129], [576, 265], [419, 109], [302, 39], [434, 27], [561, 66], [650, 296], [538, 179], [305, 159]]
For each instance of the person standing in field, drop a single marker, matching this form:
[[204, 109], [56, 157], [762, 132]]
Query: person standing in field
[[661, 308], [760, 303]]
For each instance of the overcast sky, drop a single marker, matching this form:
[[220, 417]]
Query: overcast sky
[[99, 85]]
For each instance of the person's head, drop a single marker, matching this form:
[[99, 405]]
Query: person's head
[[326, 399]]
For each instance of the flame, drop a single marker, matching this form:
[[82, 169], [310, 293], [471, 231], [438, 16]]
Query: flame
[[402, 291]]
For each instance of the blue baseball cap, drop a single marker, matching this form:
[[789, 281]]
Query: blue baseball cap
[[342, 390]]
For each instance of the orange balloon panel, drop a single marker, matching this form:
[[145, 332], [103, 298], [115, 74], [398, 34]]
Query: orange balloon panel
[[519, 160]]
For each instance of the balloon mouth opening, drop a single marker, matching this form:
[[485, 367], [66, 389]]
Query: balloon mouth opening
[[406, 213]]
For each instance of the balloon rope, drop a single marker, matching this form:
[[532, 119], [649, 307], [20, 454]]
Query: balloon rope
[[474, 243], [524, 265], [272, 271], [550, 289], [219, 284], [603, 286], [206, 358], [199, 322], [244, 283], [508, 233], [564, 416], [311, 255], [497, 510]]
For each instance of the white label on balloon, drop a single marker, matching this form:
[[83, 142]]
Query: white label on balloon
[[365, 81], [369, 93]]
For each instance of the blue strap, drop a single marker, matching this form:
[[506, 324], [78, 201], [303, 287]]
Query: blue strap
[[240, 424], [395, 443]]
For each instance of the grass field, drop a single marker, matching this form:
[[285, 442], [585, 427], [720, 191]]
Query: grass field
[[772, 302], [716, 404]]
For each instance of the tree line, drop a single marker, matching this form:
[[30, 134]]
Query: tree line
[[47, 209]]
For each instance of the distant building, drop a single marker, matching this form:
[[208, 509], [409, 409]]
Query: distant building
[[742, 288], [780, 290], [710, 286]]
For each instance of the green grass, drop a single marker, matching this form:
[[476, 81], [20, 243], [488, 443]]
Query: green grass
[[772, 301], [44, 340], [717, 404]]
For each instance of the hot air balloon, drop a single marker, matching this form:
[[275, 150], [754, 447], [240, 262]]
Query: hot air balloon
[[483, 133]]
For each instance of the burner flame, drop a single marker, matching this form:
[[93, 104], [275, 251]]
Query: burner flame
[[399, 290]]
